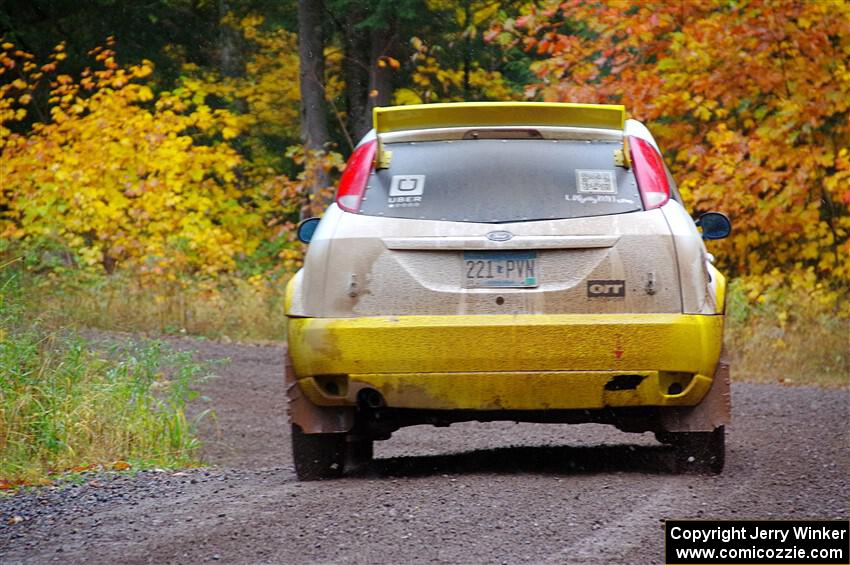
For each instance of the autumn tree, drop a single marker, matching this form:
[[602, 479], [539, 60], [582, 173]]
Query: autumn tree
[[166, 32], [750, 101], [372, 36], [314, 130], [205, 167], [120, 175]]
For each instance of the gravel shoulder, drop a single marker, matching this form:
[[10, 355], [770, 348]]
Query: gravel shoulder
[[471, 493]]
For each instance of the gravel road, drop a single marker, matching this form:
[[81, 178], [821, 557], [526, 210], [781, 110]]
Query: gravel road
[[471, 493]]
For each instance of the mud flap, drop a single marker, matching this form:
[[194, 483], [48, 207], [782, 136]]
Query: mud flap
[[310, 418], [714, 411]]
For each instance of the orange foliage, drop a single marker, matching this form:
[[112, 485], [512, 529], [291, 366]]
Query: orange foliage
[[750, 101]]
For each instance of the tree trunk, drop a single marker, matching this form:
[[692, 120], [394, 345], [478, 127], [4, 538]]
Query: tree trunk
[[314, 129], [230, 60], [356, 72], [380, 77], [467, 47]]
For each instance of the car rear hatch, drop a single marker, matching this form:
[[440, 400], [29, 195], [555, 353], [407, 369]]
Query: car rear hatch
[[505, 219]]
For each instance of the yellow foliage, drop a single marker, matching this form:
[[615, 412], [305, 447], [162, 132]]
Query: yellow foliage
[[122, 176], [433, 83], [269, 87], [263, 103]]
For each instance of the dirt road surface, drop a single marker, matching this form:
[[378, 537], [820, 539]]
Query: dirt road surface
[[471, 493]]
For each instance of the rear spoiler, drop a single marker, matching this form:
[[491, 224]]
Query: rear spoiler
[[482, 114]]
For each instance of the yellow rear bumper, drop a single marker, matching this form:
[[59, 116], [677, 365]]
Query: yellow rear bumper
[[522, 362]]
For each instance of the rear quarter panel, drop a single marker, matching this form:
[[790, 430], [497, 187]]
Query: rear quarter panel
[[702, 285]]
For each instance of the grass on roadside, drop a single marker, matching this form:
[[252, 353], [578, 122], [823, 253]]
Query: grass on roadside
[[66, 405], [789, 338], [232, 308]]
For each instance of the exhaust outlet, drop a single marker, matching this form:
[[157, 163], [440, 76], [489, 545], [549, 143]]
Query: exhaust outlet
[[370, 398]]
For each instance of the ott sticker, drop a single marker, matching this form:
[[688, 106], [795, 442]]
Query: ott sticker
[[606, 289]]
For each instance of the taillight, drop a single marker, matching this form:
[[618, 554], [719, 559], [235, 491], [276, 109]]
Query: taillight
[[649, 172], [352, 185]]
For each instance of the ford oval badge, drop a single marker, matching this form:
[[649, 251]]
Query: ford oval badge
[[499, 235]]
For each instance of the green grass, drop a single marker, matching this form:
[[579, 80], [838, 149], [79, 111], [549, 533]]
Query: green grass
[[67, 404]]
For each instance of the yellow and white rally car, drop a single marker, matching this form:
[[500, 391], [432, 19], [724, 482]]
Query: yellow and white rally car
[[506, 261]]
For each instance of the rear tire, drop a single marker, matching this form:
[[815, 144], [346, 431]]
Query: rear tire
[[697, 452], [317, 456]]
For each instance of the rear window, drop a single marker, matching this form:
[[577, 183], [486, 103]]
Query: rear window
[[496, 180]]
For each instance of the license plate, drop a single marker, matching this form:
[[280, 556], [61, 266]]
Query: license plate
[[487, 269]]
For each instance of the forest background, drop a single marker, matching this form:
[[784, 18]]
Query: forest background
[[155, 158], [157, 155]]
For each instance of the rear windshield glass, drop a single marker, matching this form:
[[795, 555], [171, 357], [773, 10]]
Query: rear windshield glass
[[494, 180]]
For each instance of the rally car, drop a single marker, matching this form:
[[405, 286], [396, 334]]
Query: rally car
[[506, 261]]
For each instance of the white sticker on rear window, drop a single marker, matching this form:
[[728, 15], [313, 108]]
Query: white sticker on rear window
[[407, 185], [406, 191], [597, 199], [596, 182]]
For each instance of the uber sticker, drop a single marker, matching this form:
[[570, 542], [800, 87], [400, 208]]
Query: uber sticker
[[606, 289], [596, 182], [406, 191]]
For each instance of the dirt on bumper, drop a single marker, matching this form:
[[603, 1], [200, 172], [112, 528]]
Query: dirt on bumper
[[482, 363]]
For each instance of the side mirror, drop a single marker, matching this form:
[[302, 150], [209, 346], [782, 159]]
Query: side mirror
[[307, 228], [714, 225]]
